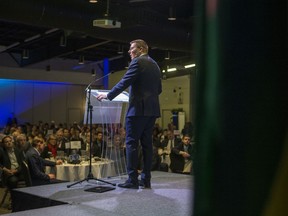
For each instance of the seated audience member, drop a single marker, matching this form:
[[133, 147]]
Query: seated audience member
[[50, 149], [156, 159], [181, 156], [76, 137], [169, 142], [116, 153], [188, 129], [22, 144], [37, 164], [15, 134], [11, 163], [63, 140], [99, 146]]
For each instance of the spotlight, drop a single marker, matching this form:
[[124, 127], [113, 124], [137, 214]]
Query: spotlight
[[25, 54], [190, 66], [172, 15], [120, 49], [63, 40], [127, 65], [93, 72], [167, 55], [81, 59], [93, 1]]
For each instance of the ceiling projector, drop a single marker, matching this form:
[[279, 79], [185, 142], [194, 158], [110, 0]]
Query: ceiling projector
[[106, 23]]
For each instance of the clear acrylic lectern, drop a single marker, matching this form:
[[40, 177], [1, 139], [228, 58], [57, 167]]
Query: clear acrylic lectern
[[111, 116], [108, 112]]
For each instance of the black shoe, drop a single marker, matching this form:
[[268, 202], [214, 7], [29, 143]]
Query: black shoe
[[145, 184], [129, 185]]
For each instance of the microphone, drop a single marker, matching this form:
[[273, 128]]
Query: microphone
[[94, 81]]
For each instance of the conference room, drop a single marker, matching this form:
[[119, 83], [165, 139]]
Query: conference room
[[223, 68]]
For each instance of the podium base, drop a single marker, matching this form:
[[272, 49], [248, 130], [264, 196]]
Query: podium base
[[99, 189]]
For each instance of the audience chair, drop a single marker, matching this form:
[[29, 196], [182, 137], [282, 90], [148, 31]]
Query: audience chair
[[5, 192], [26, 172], [4, 197], [27, 182]]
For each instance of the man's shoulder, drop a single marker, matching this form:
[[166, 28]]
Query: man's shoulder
[[31, 151]]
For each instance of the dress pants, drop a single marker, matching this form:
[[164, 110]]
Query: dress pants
[[139, 128]]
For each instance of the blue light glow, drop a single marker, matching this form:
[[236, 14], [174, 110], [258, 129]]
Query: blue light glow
[[20, 97]]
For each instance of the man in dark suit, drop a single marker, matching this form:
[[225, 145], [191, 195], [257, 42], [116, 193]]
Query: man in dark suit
[[11, 163], [144, 79], [99, 146], [37, 164], [181, 156]]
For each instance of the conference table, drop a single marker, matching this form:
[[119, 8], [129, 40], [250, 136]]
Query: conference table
[[75, 172]]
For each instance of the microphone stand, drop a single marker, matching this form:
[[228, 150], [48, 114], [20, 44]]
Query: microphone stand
[[88, 88], [89, 112]]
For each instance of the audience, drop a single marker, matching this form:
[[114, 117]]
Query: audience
[[166, 145]]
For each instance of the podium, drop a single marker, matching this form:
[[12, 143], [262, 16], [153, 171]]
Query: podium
[[108, 112], [111, 116]]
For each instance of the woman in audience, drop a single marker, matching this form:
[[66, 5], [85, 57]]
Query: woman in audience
[[50, 148]]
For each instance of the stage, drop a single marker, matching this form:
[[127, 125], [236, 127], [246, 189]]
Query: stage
[[171, 194]]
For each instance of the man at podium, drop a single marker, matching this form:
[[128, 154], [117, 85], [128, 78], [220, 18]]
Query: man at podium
[[144, 79]]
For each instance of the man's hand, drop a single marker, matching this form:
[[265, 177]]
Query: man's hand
[[51, 176], [59, 162], [100, 97], [184, 154], [8, 172]]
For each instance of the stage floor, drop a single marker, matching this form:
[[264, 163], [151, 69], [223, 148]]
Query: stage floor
[[171, 194]]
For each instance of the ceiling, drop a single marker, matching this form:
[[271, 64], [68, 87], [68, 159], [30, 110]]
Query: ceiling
[[56, 33]]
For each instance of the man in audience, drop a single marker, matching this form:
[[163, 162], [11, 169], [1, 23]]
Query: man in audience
[[166, 145], [11, 163], [99, 146], [76, 138], [62, 140], [37, 164], [22, 144], [181, 156]]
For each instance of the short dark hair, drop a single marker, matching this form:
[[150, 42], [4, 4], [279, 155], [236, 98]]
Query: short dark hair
[[141, 44], [36, 140], [6, 137]]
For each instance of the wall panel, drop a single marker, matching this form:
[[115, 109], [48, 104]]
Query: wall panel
[[6, 101], [76, 97], [24, 101], [41, 103], [58, 103]]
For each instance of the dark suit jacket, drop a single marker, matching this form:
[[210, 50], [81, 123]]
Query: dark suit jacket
[[177, 160], [5, 160], [37, 167], [144, 78], [165, 142]]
